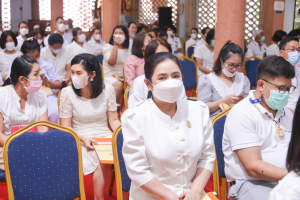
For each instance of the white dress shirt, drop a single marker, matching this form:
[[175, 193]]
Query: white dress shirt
[[65, 36], [59, 61], [168, 149], [255, 50], [247, 125], [130, 43], [6, 60], [272, 50], [294, 97], [175, 44], [96, 45], [138, 92], [207, 57], [20, 42], [190, 42], [74, 49], [199, 43], [13, 115]]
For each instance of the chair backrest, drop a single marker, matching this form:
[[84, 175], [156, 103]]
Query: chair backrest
[[194, 58], [100, 57], [44, 165], [126, 97], [122, 179], [2, 177], [190, 51], [102, 71], [124, 81], [250, 67], [218, 124], [189, 72]]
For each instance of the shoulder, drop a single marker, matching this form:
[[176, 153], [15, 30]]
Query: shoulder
[[67, 90], [205, 79], [108, 87], [107, 47], [138, 112], [5, 90], [45, 64], [40, 97]]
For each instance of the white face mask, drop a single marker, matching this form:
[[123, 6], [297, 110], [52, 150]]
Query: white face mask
[[40, 41], [10, 46], [193, 36], [79, 82], [227, 73], [81, 38], [97, 37], [122, 37], [23, 31], [61, 27], [56, 51], [168, 91], [170, 33], [67, 26]]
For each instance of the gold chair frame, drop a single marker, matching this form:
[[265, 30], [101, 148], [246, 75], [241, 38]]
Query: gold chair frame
[[126, 97], [187, 52], [29, 127]]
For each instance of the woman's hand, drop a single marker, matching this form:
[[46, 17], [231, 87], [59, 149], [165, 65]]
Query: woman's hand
[[117, 41], [171, 196], [88, 142], [190, 195], [232, 99], [45, 80]]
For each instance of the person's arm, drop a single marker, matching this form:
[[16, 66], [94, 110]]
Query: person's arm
[[178, 50], [3, 137], [113, 119], [230, 99], [52, 84], [68, 72], [251, 160], [43, 117], [129, 71], [112, 60], [200, 66]]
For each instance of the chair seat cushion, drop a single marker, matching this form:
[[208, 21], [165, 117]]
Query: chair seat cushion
[[2, 176]]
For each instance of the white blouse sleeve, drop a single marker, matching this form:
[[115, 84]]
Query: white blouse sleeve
[[111, 98], [65, 106], [246, 85], [134, 153], [107, 49], [198, 53], [204, 89], [69, 51], [207, 158], [42, 102]]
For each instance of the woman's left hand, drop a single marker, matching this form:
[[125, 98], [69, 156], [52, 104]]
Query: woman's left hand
[[190, 195], [45, 80]]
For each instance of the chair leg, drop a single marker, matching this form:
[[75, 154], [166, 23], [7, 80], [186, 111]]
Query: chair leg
[[111, 182]]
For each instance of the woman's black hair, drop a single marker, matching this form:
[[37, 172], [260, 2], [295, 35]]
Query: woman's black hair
[[195, 29], [38, 31], [210, 36], [124, 29], [152, 30], [204, 30], [138, 43], [226, 52], [140, 28], [163, 34], [74, 33], [130, 24], [171, 26], [4, 36], [155, 59], [278, 35], [152, 46], [293, 154], [90, 63], [21, 66], [94, 29], [55, 38], [23, 23], [30, 45]]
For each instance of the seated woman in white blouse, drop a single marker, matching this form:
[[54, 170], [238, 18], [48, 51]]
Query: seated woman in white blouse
[[8, 43], [96, 40], [79, 45], [86, 107], [168, 142], [38, 34], [273, 49], [56, 54], [21, 101], [138, 92], [23, 30], [114, 56], [224, 84], [288, 187], [204, 54]]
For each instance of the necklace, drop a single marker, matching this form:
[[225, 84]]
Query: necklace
[[279, 129]]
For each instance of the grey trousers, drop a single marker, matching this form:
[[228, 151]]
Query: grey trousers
[[251, 190]]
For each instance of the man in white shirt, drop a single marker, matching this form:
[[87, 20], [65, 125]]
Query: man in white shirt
[[204, 32], [256, 47], [192, 41], [257, 133], [60, 28], [289, 50]]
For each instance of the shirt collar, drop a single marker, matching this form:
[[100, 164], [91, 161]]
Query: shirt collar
[[164, 117]]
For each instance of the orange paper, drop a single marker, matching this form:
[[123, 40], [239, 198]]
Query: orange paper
[[104, 150]]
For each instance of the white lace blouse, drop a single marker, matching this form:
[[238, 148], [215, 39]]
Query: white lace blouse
[[88, 118]]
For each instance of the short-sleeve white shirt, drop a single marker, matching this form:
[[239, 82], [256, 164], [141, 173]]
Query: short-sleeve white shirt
[[207, 57], [255, 50], [272, 50], [97, 46], [247, 125], [190, 42], [20, 42], [74, 49], [6, 60]]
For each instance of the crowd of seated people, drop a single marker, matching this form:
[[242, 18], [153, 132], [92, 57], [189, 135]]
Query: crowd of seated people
[[168, 144]]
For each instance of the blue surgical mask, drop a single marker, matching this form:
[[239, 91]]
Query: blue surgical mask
[[277, 101], [293, 57], [212, 43], [262, 39], [132, 35]]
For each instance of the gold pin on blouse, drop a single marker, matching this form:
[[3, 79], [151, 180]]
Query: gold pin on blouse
[[188, 123]]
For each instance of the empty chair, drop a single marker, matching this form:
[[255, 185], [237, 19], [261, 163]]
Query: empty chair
[[250, 67], [190, 74]]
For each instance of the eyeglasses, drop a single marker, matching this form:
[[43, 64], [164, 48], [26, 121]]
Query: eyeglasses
[[231, 66], [282, 88], [293, 50]]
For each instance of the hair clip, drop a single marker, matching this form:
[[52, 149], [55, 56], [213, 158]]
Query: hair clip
[[30, 39], [231, 42]]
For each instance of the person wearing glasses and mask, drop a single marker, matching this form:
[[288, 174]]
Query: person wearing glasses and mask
[[224, 84], [168, 142], [289, 50], [257, 133], [56, 54]]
